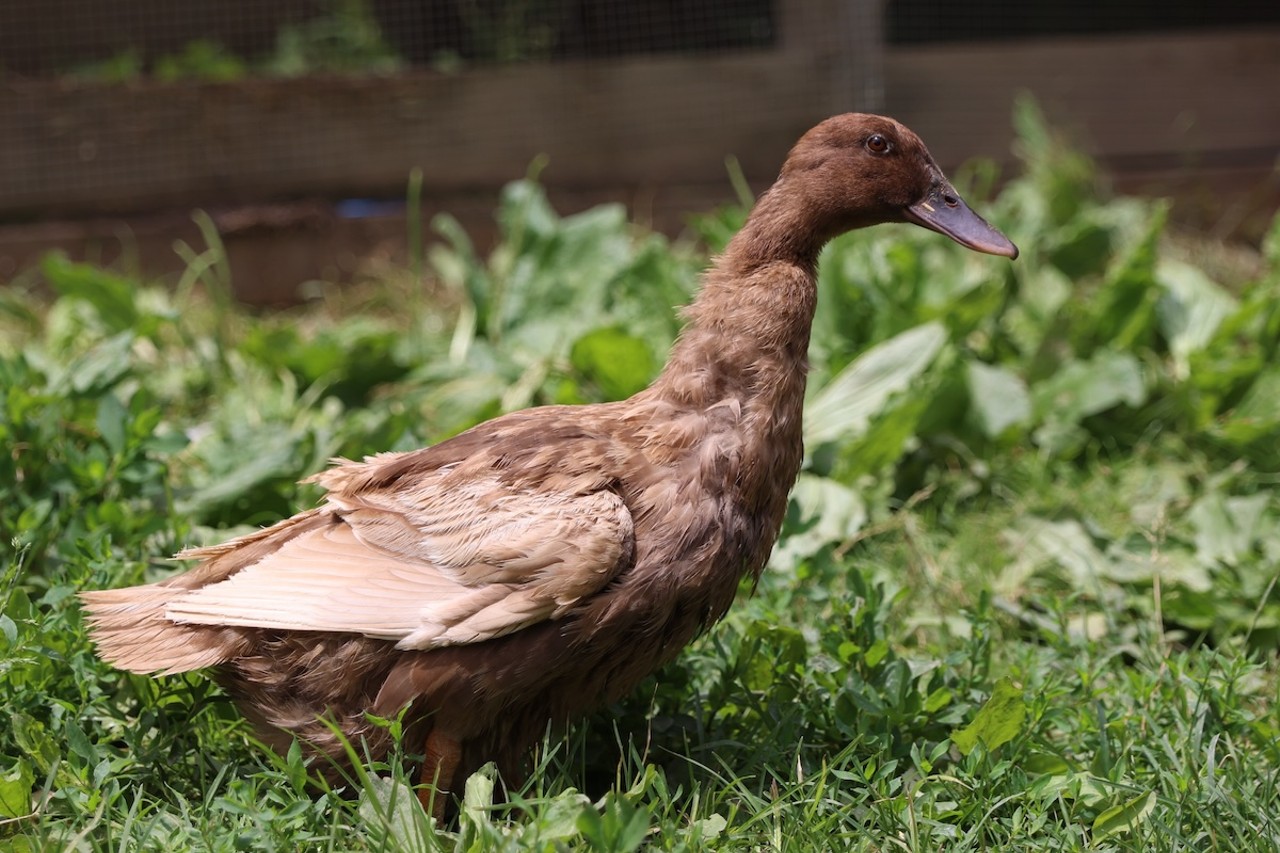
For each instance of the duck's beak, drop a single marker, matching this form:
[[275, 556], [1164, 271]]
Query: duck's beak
[[943, 210]]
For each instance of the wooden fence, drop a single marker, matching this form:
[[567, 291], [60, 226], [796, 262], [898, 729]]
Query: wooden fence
[[653, 131]]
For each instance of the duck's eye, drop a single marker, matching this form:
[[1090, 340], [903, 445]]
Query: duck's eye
[[877, 144]]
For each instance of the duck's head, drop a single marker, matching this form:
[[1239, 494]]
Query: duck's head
[[857, 169]]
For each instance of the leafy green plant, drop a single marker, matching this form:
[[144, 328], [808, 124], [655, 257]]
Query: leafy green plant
[[203, 60], [345, 39], [568, 310]]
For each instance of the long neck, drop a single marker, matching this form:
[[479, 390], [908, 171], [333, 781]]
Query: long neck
[[732, 394], [747, 333]]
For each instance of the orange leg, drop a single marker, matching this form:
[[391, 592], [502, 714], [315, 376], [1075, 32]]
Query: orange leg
[[442, 754]]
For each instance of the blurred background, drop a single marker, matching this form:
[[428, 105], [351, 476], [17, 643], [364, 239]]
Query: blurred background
[[298, 124]]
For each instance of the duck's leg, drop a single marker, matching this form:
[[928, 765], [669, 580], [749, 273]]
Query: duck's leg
[[442, 754]]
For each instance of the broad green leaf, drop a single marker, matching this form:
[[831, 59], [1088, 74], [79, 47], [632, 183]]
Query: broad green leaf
[[1046, 764], [32, 518], [878, 651], [772, 646], [1125, 817], [1044, 294], [112, 425], [391, 808], [829, 512], [633, 831], [524, 211], [558, 820], [554, 270], [478, 795], [619, 363], [1059, 180], [112, 296], [15, 791], [456, 263], [619, 828], [1257, 417], [35, 741], [1032, 322], [293, 763], [872, 456], [847, 405], [1152, 493], [1122, 314], [101, 367], [937, 700], [708, 828], [1190, 310], [998, 398], [1085, 388], [1066, 544], [275, 456], [77, 741], [961, 289], [351, 358], [1135, 562], [1202, 611], [1226, 527], [1047, 787], [1082, 246], [998, 721], [1089, 790]]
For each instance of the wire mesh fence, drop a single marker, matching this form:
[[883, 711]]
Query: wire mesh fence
[[934, 21], [126, 105], [229, 39], [98, 95]]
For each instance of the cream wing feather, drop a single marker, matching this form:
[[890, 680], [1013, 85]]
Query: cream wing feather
[[428, 568]]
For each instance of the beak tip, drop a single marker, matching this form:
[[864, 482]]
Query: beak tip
[[962, 225]]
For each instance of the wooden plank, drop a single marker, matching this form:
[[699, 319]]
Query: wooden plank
[[273, 249], [654, 122], [1137, 102], [631, 122]]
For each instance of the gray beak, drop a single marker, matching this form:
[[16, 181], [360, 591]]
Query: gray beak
[[943, 210]]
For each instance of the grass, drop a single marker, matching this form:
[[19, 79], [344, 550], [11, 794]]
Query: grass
[[1025, 597]]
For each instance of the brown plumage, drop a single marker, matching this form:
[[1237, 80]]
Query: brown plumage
[[542, 563]]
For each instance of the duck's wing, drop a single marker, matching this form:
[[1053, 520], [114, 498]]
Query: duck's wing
[[439, 561]]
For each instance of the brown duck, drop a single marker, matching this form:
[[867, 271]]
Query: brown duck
[[542, 563]]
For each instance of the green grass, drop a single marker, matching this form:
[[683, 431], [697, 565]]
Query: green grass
[[1025, 598]]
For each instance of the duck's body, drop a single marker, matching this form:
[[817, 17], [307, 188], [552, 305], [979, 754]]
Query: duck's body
[[542, 563]]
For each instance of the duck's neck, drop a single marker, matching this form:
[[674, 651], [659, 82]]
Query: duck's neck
[[747, 333], [739, 369]]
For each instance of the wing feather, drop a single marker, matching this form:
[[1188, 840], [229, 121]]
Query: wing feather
[[429, 567]]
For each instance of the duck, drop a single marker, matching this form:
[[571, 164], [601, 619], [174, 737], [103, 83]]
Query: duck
[[541, 564]]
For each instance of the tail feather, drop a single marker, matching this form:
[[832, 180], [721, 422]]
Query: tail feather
[[129, 625], [131, 632]]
